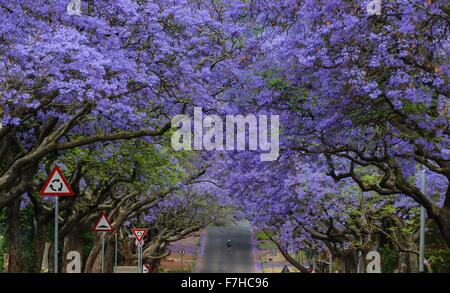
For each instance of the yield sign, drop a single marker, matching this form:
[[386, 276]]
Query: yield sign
[[103, 224], [139, 233], [56, 185]]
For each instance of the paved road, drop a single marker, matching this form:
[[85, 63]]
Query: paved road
[[216, 258]]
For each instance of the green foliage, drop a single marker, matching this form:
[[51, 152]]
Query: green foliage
[[415, 108], [261, 235], [26, 238], [295, 96], [3, 242], [266, 245], [389, 259], [2, 249], [370, 179], [439, 259], [154, 166], [88, 240], [277, 83]]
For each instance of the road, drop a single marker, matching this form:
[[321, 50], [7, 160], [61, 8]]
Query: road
[[216, 258]]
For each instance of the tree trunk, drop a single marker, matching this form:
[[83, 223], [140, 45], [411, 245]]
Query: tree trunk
[[363, 258], [348, 262], [407, 263], [39, 244], [109, 254], [128, 248], [93, 258], [13, 220], [443, 222], [403, 262], [413, 263], [153, 250]]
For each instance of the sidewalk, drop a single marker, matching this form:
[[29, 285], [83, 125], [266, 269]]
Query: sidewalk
[[176, 262]]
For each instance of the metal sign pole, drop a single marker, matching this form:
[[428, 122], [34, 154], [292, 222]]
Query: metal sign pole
[[140, 259], [422, 228], [273, 261], [138, 250], [103, 252], [56, 232], [115, 254]]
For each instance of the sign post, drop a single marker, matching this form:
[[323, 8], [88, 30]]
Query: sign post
[[273, 260], [103, 225], [56, 185], [422, 225], [139, 234], [181, 257], [139, 247], [56, 233], [115, 252], [103, 252]]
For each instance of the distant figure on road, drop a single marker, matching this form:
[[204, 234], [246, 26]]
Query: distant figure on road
[[229, 246]]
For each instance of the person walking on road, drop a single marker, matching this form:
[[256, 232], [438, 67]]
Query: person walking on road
[[229, 246]]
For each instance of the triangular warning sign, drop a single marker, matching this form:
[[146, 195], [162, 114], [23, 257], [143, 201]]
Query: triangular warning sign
[[103, 224], [139, 233], [56, 185], [285, 269]]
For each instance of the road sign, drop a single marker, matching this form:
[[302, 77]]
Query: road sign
[[56, 185], [139, 233], [146, 268], [103, 224], [181, 251], [285, 269]]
